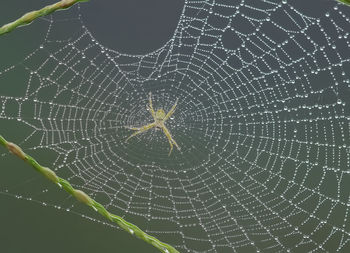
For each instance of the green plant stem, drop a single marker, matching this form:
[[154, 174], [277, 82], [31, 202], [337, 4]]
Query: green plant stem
[[84, 198], [30, 16], [345, 1]]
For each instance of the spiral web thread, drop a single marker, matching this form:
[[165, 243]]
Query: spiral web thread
[[262, 121]]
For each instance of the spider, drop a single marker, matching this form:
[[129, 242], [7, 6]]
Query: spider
[[159, 119]]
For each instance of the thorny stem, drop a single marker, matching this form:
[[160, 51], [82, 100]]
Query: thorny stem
[[30, 16], [63, 4], [84, 198], [345, 1]]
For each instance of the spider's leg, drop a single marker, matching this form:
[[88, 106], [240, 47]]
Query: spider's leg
[[152, 112], [132, 128], [171, 148], [141, 130], [171, 111], [177, 146], [170, 139], [150, 107]]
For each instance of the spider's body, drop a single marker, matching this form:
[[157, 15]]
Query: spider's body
[[159, 117]]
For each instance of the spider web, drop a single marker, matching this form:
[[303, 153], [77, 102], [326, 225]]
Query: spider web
[[262, 121]]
